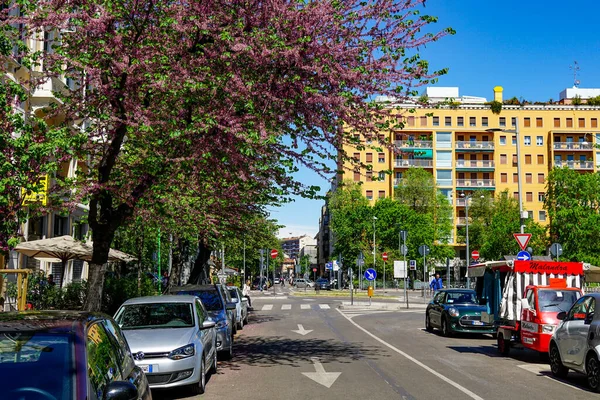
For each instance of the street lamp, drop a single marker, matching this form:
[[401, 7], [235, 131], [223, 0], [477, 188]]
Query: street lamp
[[522, 215], [374, 248], [467, 198]]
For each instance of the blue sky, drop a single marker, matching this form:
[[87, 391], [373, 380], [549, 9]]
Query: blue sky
[[524, 46]]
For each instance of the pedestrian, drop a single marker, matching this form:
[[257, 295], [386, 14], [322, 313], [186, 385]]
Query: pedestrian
[[51, 280], [436, 284], [282, 280], [246, 293], [165, 280]]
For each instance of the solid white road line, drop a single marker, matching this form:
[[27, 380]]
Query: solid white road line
[[267, 307], [414, 360], [324, 306], [305, 306], [286, 306]]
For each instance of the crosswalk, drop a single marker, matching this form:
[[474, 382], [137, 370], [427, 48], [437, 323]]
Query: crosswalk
[[289, 307]]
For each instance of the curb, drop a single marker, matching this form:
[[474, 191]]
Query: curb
[[381, 306]]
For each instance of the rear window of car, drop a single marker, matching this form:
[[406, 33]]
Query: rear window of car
[[210, 298], [233, 293], [155, 316]]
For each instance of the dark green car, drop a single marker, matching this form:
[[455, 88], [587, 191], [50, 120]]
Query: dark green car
[[456, 310]]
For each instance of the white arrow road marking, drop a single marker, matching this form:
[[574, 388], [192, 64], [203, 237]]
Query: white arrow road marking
[[320, 376], [302, 331]]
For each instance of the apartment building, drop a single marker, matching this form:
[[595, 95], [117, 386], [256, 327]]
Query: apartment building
[[467, 147]]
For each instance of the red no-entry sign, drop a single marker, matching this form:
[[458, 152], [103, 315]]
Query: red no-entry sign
[[314, 270], [274, 253], [475, 255], [384, 256]]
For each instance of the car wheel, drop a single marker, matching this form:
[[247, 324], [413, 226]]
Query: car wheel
[[428, 326], [246, 319], [592, 368], [446, 331], [200, 387], [241, 324], [213, 367], [503, 345], [556, 365]]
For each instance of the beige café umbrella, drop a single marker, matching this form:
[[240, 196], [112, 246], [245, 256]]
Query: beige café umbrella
[[65, 248]]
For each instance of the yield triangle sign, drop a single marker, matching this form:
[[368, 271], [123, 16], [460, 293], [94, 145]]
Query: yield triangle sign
[[522, 239]]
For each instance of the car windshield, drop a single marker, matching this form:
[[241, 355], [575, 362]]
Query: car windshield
[[557, 300], [37, 361], [233, 293], [210, 298], [461, 298], [156, 316]]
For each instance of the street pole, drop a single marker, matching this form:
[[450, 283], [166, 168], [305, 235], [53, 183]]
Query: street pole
[[405, 272], [519, 175], [158, 259], [374, 250], [384, 277], [244, 274], [267, 256], [261, 270], [468, 254], [424, 274]]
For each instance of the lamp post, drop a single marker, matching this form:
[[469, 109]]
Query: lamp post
[[374, 249], [467, 198], [522, 216]]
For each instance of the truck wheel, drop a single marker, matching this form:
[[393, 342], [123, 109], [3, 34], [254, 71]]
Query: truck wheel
[[556, 365], [503, 345]]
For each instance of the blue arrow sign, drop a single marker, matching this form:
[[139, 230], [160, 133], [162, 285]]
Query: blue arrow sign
[[370, 274], [523, 256], [329, 265]]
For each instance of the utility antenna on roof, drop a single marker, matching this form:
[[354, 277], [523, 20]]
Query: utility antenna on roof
[[575, 68]]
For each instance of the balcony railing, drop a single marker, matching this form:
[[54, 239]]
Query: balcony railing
[[413, 163], [474, 164], [414, 144], [575, 164], [471, 145], [483, 183], [573, 146], [461, 202], [461, 221]]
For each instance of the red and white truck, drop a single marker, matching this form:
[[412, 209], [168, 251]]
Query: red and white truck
[[532, 294]]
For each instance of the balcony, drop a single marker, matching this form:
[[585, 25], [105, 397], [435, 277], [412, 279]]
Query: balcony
[[475, 164], [460, 221], [414, 144], [476, 183], [580, 146], [413, 163], [585, 165], [44, 94], [474, 146], [461, 202]]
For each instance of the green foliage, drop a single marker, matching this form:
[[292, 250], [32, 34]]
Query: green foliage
[[593, 101], [423, 99], [495, 106], [117, 289], [514, 101], [42, 296], [577, 101]]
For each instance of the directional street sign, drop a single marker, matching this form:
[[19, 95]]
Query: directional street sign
[[274, 253], [328, 265], [370, 274], [384, 256], [523, 256], [413, 264], [475, 255], [522, 239]]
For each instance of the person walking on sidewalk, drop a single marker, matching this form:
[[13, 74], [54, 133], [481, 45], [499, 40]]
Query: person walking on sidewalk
[[246, 293], [436, 284]]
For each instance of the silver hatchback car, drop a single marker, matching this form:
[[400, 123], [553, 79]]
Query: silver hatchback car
[[172, 339]]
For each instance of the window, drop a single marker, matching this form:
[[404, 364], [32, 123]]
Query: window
[[356, 176], [581, 122], [539, 140], [542, 215], [541, 197], [541, 178], [460, 121], [529, 196], [382, 194], [369, 195], [484, 121], [594, 122], [557, 122], [502, 121], [515, 178], [369, 175], [381, 157], [411, 121], [527, 158], [502, 140], [539, 122], [423, 121], [569, 122], [502, 158], [369, 157], [527, 140], [516, 195], [356, 157], [201, 312], [540, 158], [580, 309], [436, 121], [526, 122], [514, 141], [448, 121], [513, 121], [504, 177], [381, 176], [102, 360], [530, 215], [528, 178], [472, 121]]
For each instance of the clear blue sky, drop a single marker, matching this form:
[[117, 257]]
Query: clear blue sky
[[524, 46]]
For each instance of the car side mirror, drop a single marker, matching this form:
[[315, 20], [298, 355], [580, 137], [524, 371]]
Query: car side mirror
[[561, 315], [207, 324], [230, 306], [588, 319], [121, 390], [525, 303]]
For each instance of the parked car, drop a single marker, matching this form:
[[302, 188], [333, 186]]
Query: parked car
[[276, 281], [575, 344], [303, 283], [456, 310], [323, 283], [219, 309], [172, 338], [241, 304], [58, 355]]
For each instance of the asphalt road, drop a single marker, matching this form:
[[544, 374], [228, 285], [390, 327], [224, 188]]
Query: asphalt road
[[364, 354]]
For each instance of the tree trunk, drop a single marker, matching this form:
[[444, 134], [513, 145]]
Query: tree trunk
[[102, 238], [180, 253], [201, 271]]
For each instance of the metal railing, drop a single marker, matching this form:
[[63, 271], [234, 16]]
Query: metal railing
[[475, 145], [474, 164], [575, 164], [413, 163], [461, 221], [573, 146], [414, 144], [476, 183]]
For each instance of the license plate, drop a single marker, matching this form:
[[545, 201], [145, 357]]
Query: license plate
[[146, 368], [477, 323]]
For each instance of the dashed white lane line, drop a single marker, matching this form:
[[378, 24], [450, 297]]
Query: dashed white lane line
[[267, 307], [286, 306], [304, 306], [324, 306], [414, 360]]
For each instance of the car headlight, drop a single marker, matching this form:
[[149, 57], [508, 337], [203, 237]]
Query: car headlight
[[453, 312], [221, 324], [548, 328], [182, 352]]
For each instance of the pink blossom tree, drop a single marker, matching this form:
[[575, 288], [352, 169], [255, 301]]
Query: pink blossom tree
[[221, 95]]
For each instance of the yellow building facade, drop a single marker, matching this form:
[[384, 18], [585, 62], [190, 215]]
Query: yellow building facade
[[467, 148]]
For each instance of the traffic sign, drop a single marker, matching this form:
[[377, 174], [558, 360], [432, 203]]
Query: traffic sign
[[522, 239], [475, 255], [370, 274], [329, 265], [314, 270], [412, 264], [523, 256], [424, 250], [404, 249], [384, 256], [556, 249], [274, 253]]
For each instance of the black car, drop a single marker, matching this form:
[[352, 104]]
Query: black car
[[58, 355], [323, 283]]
